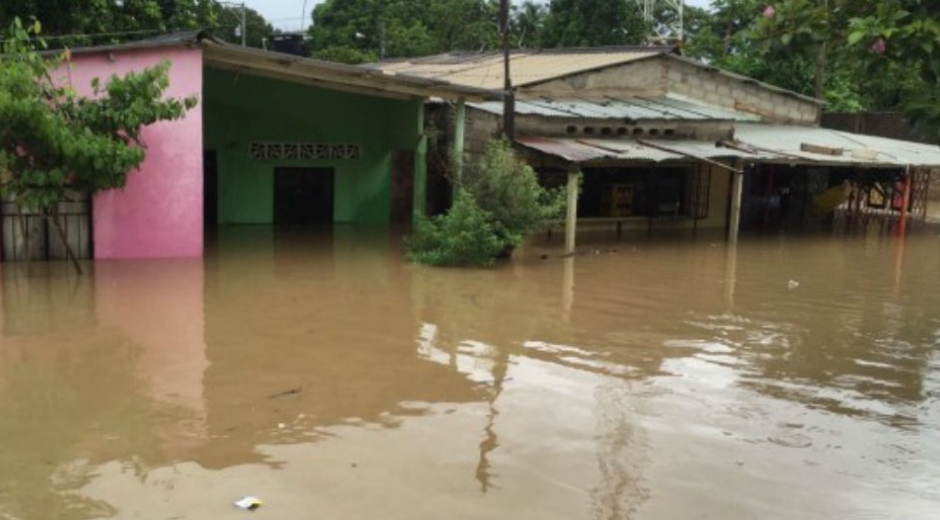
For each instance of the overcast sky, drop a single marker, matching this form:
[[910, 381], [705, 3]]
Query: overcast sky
[[288, 14]]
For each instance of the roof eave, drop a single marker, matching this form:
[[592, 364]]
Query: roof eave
[[341, 74]]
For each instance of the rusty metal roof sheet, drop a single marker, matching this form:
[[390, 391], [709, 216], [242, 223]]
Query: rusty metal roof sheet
[[857, 149], [592, 150], [485, 70], [632, 108]]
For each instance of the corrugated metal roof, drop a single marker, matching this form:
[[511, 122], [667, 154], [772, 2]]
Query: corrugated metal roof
[[633, 108], [485, 70], [863, 150], [589, 150], [753, 143]]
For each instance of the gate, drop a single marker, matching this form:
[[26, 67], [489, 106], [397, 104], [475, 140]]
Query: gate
[[28, 235]]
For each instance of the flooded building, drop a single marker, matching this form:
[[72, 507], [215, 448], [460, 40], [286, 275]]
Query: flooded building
[[663, 141], [276, 140]]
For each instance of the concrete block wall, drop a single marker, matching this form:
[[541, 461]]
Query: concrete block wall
[[641, 78], [713, 88], [479, 128]]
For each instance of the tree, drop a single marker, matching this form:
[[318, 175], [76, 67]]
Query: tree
[[885, 54], [900, 39], [749, 38], [228, 21], [575, 23], [808, 28], [465, 25], [54, 142], [90, 22], [351, 30], [71, 23], [528, 22]]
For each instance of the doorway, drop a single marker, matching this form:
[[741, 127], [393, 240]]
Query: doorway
[[303, 196], [403, 186], [210, 190]]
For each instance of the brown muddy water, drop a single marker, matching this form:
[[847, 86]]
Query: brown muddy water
[[330, 378]]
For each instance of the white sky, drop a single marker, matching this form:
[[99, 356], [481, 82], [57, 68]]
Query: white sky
[[288, 14]]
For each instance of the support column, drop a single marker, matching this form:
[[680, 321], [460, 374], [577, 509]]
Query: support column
[[734, 222], [567, 290], [571, 221], [420, 195], [420, 181], [460, 125], [905, 202]]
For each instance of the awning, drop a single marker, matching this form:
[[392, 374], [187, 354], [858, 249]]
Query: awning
[[646, 150], [753, 143], [801, 145]]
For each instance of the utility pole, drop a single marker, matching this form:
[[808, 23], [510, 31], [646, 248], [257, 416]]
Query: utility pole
[[509, 103], [242, 29], [303, 17]]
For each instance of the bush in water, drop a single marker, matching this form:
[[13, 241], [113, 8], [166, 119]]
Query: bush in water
[[498, 204], [462, 237]]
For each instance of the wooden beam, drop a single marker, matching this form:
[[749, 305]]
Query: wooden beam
[[718, 164]]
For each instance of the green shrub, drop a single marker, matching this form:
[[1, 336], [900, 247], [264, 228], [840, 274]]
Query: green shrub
[[498, 203], [462, 237]]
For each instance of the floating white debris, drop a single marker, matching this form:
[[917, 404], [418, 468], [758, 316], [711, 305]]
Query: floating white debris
[[793, 284], [249, 503]]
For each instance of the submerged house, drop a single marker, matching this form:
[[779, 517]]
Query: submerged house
[[275, 140], [667, 142]]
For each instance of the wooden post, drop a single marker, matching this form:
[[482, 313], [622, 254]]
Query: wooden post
[[459, 131], [571, 221], [737, 187], [905, 202]]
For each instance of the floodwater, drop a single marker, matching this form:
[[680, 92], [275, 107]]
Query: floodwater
[[324, 374]]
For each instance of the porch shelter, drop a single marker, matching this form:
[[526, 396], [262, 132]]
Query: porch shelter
[[822, 170]]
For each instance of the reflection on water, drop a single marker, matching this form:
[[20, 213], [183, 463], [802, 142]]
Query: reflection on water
[[777, 378]]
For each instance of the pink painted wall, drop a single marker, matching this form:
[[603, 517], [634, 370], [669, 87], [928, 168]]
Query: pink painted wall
[[158, 214]]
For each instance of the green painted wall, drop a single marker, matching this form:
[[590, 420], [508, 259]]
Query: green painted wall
[[240, 108]]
